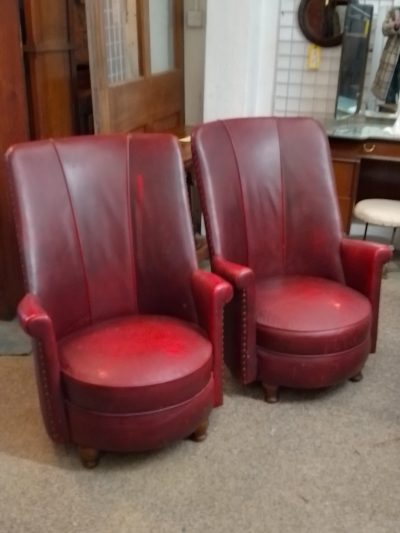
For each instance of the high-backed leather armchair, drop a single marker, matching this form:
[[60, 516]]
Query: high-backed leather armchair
[[306, 299], [127, 331]]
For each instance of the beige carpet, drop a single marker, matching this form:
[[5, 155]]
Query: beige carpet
[[325, 461], [13, 341]]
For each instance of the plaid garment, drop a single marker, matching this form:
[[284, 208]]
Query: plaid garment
[[390, 56]]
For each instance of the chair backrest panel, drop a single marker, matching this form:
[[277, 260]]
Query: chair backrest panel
[[163, 234], [88, 231], [312, 221], [256, 148], [223, 194], [96, 178], [284, 207]]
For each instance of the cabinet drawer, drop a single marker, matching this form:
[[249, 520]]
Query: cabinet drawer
[[345, 148], [372, 148]]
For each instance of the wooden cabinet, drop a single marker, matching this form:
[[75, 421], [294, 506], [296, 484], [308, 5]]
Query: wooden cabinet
[[364, 169], [346, 177], [13, 129]]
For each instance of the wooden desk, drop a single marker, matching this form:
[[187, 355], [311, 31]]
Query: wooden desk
[[364, 168]]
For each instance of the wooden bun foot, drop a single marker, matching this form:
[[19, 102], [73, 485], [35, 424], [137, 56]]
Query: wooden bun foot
[[357, 377], [89, 457], [270, 393], [200, 433]]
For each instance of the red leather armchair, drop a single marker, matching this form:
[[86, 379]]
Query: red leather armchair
[[306, 299], [127, 331]]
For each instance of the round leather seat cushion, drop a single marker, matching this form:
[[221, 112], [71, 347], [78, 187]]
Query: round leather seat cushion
[[303, 315], [135, 364]]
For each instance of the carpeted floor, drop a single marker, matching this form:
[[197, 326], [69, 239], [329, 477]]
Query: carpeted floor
[[323, 462], [13, 340]]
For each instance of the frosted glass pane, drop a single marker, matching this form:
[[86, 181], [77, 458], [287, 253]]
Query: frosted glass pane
[[161, 35], [121, 40]]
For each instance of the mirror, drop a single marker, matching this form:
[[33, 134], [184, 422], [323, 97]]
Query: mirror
[[321, 21], [357, 29]]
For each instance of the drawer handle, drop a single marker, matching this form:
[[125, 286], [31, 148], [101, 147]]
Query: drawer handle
[[369, 147]]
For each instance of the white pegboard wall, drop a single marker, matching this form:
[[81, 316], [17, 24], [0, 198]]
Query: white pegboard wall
[[299, 91]]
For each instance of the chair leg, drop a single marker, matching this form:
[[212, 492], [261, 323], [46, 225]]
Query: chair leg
[[200, 433], [270, 393], [89, 457], [393, 236], [358, 377], [365, 231]]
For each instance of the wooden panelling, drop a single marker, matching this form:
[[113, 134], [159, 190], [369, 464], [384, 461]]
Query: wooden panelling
[[48, 68], [13, 129], [153, 98], [346, 177]]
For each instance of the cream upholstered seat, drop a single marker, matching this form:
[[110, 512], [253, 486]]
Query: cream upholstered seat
[[379, 211]]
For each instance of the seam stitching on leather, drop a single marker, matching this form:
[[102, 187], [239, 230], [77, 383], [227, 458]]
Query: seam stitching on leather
[[46, 391], [76, 230], [306, 331], [283, 203], [243, 343], [219, 319], [130, 215], [223, 122]]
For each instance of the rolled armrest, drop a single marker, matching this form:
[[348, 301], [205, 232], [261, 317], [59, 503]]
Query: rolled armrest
[[33, 318], [211, 293], [210, 288], [362, 265], [240, 351], [240, 276], [37, 323]]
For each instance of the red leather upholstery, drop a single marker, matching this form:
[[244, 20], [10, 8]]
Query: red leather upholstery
[[306, 300], [127, 331], [285, 315]]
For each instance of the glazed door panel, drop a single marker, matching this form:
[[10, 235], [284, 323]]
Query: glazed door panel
[[136, 64]]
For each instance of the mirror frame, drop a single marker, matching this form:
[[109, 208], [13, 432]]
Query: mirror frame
[[304, 23], [368, 10]]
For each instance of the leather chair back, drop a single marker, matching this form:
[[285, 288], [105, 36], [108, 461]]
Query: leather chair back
[[120, 257], [269, 195]]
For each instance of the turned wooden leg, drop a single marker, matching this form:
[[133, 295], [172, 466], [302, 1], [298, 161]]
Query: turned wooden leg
[[89, 457], [357, 377], [200, 433], [270, 393]]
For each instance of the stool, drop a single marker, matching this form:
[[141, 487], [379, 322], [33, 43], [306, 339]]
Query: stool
[[380, 212]]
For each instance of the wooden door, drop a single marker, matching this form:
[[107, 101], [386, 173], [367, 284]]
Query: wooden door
[[136, 64]]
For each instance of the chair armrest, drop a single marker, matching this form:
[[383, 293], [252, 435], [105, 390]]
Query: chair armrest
[[240, 276], [240, 351], [362, 265], [33, 318], [211, 293], [37, 323]]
